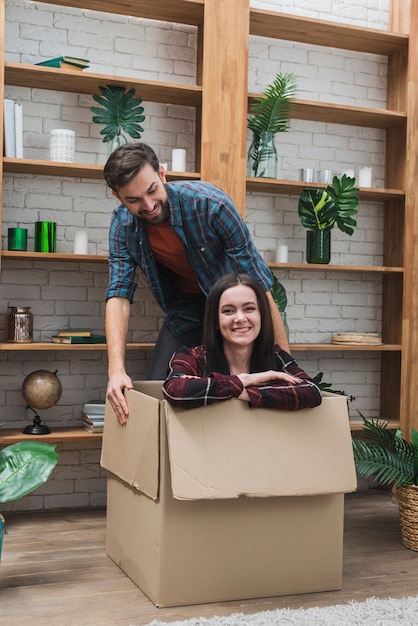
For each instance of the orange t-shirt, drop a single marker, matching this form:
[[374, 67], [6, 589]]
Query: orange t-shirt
[[168, 248]]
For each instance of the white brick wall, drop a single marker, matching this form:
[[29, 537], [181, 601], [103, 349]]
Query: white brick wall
[[61, 294]]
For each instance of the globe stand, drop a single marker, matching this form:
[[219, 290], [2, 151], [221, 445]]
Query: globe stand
[[37, 428]]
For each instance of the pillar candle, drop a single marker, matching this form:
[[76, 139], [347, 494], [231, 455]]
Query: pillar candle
[[178, 163], [365, 177], [17, 238], [282, 254], [81, 242]]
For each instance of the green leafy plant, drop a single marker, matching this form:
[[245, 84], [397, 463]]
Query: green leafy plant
[[383, 453], [120, 110], [321, 209], [269, 114], [278, 292], [25, 466], [324, 386]]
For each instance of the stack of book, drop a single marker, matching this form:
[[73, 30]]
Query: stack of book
[[77, 335], [93, 414], [66, 62]]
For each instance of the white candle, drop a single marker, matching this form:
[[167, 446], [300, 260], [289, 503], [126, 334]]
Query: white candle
[[307, 175], [365, 177], [62, 145], [178, 160], [349, 173], [81, 242], [282, 254]]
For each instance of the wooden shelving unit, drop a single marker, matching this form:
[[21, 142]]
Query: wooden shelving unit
[[223, 33]]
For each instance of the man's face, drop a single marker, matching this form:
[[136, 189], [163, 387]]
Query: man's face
[[145, 196]]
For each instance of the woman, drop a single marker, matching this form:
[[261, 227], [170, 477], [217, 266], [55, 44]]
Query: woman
[[238, 358]]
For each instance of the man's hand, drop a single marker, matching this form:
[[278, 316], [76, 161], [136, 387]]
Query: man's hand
[[114, 393]]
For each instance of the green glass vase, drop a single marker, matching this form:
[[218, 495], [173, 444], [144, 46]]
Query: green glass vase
[[318, 246]]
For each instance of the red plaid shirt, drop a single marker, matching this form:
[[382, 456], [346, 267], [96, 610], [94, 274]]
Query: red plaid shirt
[[189, 393]]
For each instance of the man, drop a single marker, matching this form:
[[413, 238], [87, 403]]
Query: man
[[183, 236]]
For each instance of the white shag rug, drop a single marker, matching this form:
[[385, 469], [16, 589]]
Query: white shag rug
[[372, 612]]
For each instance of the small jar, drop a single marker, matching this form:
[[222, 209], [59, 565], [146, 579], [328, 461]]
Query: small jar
[[19, 324]]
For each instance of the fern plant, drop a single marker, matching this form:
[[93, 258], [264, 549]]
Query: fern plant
[[120, 111], [321, 209], [383, 453]]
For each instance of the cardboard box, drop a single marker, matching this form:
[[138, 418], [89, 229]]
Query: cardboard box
[[226, 502]]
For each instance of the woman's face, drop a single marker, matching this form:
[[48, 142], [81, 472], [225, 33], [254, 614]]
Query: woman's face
[[239, 316]]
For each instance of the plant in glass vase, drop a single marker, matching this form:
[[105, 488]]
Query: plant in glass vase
[[120, 112], [321, 209], [269, 115]]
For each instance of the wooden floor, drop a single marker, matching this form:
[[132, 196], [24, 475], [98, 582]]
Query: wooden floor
[[54, 570]]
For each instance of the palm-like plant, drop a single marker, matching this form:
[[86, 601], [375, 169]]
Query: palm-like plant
[[321, 209], [120, 111], [384, 454], [269, 115]]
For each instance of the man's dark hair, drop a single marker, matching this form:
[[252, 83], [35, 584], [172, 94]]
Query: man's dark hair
[[126, 161]]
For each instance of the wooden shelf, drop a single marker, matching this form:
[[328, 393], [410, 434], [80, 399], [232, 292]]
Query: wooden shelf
[[184, 12], [72, 170], [41, 77], [303, 267], [325, 33], [357, 426], [54, 256], [58, 435], [49, 346], [332, 347], [295, 187]]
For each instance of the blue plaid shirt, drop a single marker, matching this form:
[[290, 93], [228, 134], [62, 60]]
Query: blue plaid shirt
[[216, 240]]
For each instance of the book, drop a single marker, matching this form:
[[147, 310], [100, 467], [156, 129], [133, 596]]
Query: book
[[66, 62], [9, 128], [19, 130], [94, 407], [93, 429], [77, 339], [93, 419], [74, 332]]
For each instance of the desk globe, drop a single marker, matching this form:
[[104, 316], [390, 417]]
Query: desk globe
[[41, 390]]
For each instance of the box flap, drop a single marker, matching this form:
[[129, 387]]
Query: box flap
[[131, 452], [227, 449]]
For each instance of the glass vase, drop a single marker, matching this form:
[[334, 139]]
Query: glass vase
[[318, 246], [118, 140], [262, 156]]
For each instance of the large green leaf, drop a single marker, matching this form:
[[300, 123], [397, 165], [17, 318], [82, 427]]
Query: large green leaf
[[386, 467], [279, 295], [120, 110], [320, 209], [270, 112], [316, 209], [25, 466]]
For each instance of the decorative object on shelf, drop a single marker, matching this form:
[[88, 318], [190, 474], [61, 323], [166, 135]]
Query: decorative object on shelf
[[278, 292], [24, 467], [66, 62], [282, 253], [382, 452], [178, 160], [121, 113], [41, 389], [307, 174], [19, 325], [269, 115], [81, 242], [324, 177], [320, 209], [357, 339], [324, 386], [62, 145], [45, 237], [365, 177], [17, 239]]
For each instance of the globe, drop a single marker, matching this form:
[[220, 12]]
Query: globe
[[41, 389]]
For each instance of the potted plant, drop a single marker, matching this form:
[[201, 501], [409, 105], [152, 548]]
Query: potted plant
[[120, 112], [383, 453], [320, 209], [24, 466], [269, 115]]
